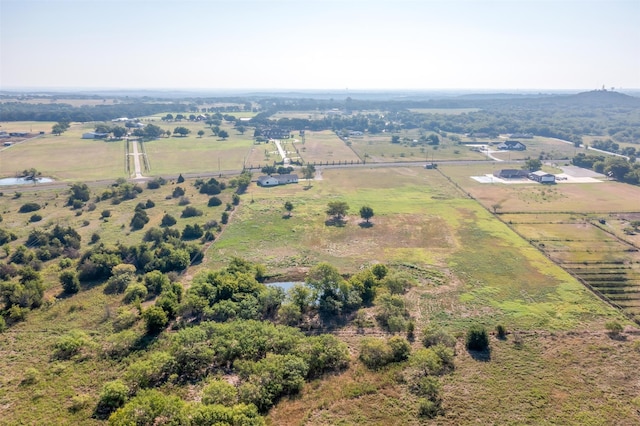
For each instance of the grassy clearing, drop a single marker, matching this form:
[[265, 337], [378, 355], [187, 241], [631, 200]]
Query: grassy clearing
[[325, 146], [67, 157], [378, 148]]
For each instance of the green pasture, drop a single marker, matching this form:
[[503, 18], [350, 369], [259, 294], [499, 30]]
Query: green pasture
[[26, 126], [423, 220], [67, 157], [378, 148]]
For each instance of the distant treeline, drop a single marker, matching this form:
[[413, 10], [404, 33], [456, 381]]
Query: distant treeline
[[18, 111]]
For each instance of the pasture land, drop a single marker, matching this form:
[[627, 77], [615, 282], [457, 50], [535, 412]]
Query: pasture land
[[530, 378], [601, 197], [67, 157], [26, 126], [423, 221], [377, 148], [325, 146]]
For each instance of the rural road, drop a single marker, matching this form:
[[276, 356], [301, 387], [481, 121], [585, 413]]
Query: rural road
[[136, 161], [103, 182]]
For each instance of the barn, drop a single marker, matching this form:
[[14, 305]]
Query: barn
[[542, 177]]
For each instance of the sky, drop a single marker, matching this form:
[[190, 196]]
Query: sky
[[313, 44]]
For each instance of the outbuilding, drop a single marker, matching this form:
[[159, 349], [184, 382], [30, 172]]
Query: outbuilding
[[94, 135], [542, 177], [268, 181]]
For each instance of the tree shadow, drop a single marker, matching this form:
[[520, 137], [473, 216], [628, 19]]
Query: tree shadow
[[335, 221], [308, 187], [365, 225], [286, 216], [617, 336], [482, 356]]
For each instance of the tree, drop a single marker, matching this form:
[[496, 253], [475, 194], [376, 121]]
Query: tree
[[395, 139], [241, 129], [532, 164], [57, 129], [118, 132], [477, 338], [223, 134], [200, 133], [366, 213], [337, 209], [308, 172], [182, 131], [70, 282], [288, 206], [155, 319]]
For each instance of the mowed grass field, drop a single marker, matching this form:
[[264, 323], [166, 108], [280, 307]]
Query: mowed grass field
[[325, 146], [67, 157], [377, 148]]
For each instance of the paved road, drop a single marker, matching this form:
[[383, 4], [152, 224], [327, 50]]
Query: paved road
[[136, 161]]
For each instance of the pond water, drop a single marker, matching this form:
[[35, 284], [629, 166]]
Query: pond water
[[24, 181], [285, 285]]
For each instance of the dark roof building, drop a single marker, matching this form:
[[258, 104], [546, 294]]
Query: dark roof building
[[512, 146], [511, 174]]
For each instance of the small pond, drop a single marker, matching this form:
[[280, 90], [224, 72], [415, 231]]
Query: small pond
[[24, 181], [284, 285]]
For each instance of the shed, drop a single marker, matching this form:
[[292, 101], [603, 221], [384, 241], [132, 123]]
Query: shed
[[511, 173], [94, 135], [542, 177]]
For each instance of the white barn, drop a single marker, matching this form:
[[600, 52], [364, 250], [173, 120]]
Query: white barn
[[542, 177]]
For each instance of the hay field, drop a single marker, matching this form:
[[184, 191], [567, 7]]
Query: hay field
[[325, 146], [67, 157]]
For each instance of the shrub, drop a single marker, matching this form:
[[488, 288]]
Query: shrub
[[35, 218], [105, 214], [614, 328], [214, 202], [31, 376], [113, 395], [3, 324], [400, 348], [95, 237], [125, 318], [501, 331], [191, 232], [79, 402], [135, 292], [152, 371], [433, 336], [220, 392], [374, 353], [177, 192], [149, 204], [191, 212], [428, 408], [156, 319], [477, 338], [184, 201], [224, 218], [168, 220], [70, 282], [70, 345], [29, 207]]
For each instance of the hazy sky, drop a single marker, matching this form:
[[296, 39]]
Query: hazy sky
[[313, 44]]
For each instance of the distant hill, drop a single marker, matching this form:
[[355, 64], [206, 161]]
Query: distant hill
[[597, 98]]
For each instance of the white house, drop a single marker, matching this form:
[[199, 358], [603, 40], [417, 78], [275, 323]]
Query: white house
[[268, 181], [277, 180]]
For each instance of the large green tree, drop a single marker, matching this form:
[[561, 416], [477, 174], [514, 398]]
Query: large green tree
[[337, 209], [366, 213]]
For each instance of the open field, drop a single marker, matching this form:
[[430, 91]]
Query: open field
[[532, 197], [421, 219], [471, 268], [378, 148], [67, 157], [325, 146]]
